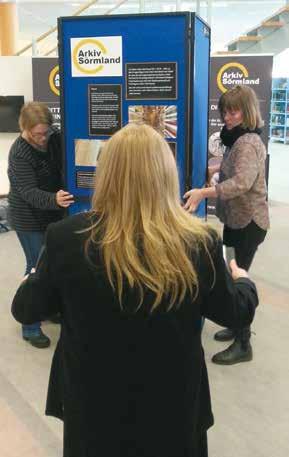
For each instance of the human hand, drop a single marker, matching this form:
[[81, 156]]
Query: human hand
[[194, 197], [64, 199], [236, 271], [26, 276]]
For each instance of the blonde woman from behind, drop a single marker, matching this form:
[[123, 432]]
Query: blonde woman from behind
[[132, 280]]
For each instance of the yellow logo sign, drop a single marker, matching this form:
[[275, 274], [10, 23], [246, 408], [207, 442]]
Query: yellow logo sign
[[53, 79], [94, 54], [237, 75]]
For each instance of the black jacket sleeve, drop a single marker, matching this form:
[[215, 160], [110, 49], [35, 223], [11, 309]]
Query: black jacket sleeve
[[229, 303], [37, 298]]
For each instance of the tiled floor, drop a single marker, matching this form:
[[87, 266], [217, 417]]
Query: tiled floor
[[250, 400]]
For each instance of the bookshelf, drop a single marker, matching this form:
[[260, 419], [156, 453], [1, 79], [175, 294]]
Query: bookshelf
[[279, 115]]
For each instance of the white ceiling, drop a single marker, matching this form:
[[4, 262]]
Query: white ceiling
[[230, 18]]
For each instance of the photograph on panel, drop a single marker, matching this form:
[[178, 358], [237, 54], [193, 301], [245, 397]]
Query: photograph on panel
[[87, 152], [162, 118]]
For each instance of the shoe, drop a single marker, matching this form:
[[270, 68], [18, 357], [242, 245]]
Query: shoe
[[39, 340], [225, 335], [235, 353], [56, 319]]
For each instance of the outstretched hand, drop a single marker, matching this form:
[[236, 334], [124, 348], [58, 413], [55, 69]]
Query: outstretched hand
[[194, 198], [236, 271]]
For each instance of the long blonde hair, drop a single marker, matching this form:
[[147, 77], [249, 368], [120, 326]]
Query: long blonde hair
[[145, 237]]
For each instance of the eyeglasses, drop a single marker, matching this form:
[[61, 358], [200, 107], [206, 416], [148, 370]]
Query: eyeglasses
[[39, 136]]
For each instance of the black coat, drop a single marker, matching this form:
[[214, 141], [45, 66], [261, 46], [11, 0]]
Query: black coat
[[127, 384]]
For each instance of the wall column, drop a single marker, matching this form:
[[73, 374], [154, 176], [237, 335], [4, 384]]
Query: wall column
[[8, 27], [141, 6], [209, 12]]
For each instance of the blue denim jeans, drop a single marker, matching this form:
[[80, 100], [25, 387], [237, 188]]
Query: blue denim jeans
[[31, 243]]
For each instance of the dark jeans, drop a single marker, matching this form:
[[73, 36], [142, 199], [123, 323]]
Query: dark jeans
[[31, 243]]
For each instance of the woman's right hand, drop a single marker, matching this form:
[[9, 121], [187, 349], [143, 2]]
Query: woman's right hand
[[236, 271], [64, 199], [194, 198]]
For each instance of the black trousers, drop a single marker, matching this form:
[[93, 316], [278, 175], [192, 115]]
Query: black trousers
[[244, 258], [201, 446], [245, 243]]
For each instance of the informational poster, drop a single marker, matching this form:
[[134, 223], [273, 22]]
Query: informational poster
[[113, 76], [104, 105], [87, 152], [85, 179], [46, 84], [226, 73], [151, 81]]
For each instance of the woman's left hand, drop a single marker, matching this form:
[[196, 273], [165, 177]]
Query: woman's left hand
[[194, 196], [26, 276]]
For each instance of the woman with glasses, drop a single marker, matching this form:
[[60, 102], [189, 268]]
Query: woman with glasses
[[132, 280], [35, 196]]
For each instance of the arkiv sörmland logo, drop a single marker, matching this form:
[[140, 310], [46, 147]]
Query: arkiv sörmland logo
[[89, 53], [53, 80], [232, 74], [96, 56]]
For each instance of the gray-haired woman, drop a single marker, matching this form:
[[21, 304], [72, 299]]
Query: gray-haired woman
[[35, 197]]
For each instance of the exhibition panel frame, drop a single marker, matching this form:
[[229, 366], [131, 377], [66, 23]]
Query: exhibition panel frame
[[151, 68]]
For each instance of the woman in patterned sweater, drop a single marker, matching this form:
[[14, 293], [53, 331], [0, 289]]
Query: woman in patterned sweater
[[241, 195], [35, 196]]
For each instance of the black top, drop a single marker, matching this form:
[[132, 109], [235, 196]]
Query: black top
[[35, 177], [127, 383]]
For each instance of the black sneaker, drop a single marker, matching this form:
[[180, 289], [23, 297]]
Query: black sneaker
[[235, 353], [39, 340]]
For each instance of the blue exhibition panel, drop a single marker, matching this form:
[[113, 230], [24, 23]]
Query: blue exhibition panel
[[200, 104], [159, 47]]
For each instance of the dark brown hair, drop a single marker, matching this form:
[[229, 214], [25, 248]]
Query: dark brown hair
[[242, 98]]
